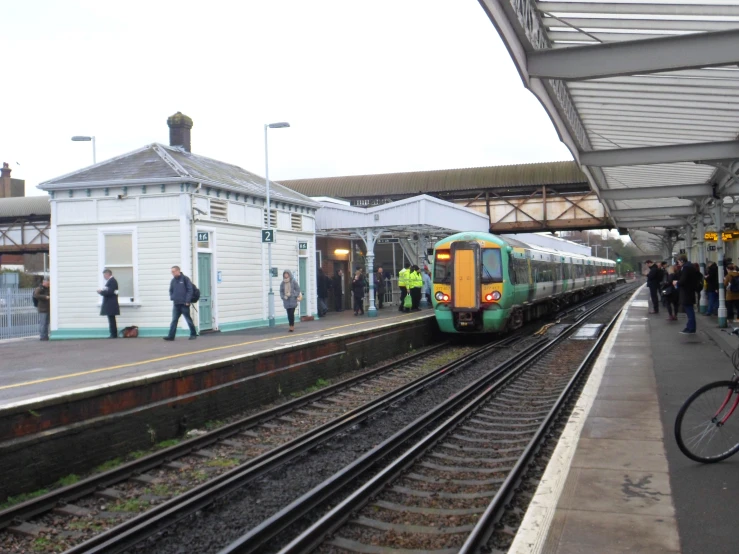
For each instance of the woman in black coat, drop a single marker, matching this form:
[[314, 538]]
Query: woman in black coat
[[110, 305], [358, 292]]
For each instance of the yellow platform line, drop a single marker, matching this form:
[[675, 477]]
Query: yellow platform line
[[174, 356]]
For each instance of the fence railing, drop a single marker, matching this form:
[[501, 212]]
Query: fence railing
[[18, 316]]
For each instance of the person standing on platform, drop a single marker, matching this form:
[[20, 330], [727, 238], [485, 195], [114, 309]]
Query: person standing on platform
[[358, 293], [731, 283], [415, 284], [654, 281], [42, 296], [291, 295], [426, 276], [110, 305], [686, 285], [380, 287], [712, 289], [338, 287], [180, 293], [322, 289], [670, 293], [403, 275]]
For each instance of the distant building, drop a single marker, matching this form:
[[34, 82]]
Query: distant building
[[159, 206], [9, 187]]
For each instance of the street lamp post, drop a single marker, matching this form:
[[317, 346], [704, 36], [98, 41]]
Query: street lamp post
[[271, 295], [78, 138]]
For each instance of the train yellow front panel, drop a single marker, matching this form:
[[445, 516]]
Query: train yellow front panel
[[465, 295]]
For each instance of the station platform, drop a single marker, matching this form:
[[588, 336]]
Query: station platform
[[617, 481], [33, 369]]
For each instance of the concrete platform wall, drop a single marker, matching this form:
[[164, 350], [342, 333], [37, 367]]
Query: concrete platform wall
[[42, 442]]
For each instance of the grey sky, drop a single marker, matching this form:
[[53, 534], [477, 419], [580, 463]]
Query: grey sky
[[399, 85]]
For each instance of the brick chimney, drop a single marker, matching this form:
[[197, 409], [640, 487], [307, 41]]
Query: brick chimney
[[5, 191], [179, 130]]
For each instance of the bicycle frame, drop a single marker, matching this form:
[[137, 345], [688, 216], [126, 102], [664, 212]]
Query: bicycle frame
[[735, 380]]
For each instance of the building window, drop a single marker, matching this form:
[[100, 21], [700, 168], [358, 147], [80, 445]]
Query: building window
[[296, 222], [219, 209], [273, 219], [118, 256]]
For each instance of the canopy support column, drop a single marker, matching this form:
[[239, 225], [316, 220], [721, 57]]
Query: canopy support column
[[719, 220], [700, 240], [370, 236]]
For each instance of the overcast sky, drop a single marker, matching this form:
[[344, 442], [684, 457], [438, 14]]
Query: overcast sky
[[386, 86]]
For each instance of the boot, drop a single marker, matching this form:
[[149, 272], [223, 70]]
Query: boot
[[292, 328]]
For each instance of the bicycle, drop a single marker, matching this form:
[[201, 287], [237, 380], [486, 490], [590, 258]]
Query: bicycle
[[704, 429]]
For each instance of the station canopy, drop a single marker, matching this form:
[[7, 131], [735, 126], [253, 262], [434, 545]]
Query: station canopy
[[419, 215], [645, 94]]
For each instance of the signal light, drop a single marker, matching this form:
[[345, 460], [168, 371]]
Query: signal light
[[618, 260]]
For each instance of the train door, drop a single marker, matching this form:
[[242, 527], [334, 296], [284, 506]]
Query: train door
[[465, 276], [205, 308]]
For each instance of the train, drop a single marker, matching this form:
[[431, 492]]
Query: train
[[485, 283]]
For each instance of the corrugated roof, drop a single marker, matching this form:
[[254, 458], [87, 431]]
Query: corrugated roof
[[442, 180], [24, 206], [158, 162]]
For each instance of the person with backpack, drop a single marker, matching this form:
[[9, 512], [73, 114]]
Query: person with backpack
[[110, 306], [182, 293], [41, 299], [731, 282]]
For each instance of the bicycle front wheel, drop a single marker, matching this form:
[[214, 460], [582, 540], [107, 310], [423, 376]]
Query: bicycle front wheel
[[707, 425]]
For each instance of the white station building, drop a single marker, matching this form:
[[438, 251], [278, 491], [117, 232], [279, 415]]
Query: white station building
[[143, 212]]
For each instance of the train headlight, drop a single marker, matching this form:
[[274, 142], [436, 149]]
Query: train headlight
[[489, 297], [440, 296], [492, 296], [496, 295]]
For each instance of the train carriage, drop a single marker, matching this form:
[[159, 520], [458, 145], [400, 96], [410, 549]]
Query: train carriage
[[484, 283]]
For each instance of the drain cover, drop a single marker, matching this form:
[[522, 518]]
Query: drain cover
[[589, 331]]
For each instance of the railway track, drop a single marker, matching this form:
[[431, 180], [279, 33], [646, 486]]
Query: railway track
[[153, 479], [227, 458], [447, 491]]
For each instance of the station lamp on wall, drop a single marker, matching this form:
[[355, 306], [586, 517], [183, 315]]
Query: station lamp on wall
[[341, 251]]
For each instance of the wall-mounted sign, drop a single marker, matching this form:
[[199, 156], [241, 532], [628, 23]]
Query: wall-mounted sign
[[302, 246], [268, 235], [219, 276], [388, 241], [203, 236], [711, 247], [273, 272]]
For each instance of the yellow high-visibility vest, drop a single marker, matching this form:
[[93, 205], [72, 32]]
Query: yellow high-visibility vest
[[415, 280], [403, 275]]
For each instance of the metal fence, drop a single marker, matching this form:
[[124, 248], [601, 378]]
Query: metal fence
[[18, 316]]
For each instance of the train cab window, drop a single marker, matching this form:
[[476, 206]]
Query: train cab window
[[491, 269], [443, 267]]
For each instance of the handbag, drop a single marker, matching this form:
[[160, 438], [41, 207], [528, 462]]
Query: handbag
[[408, 302], [130, 332], [667, 291]]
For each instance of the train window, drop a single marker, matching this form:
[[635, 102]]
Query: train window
[[511, 271], [491, 269], [443, 267], [579, 272], [521, 269]]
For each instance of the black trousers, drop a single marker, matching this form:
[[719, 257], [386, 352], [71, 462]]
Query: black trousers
[[339, 302], [291, 316], [112, 326], [358, 304], [379, 297], [403, 294], [654, 294], [415, 297]]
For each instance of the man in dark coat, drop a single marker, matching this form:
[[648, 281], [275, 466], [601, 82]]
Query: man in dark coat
[[686, 280], [654, 281], [338, 286], [110, 305], [380, 287], [322, 286], [712, 280], [180, 293]]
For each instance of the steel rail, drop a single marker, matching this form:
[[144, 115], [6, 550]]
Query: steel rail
[[85, 487], [130, 532], [256, 538], [485, 526], [480, 392]]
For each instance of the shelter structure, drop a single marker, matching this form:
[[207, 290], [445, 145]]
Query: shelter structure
[[646, 97], [420, 220]]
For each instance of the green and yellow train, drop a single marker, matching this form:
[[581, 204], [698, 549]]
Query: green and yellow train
[[484, 283]]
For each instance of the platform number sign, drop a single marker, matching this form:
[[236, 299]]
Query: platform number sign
[[268, 235], [302, 246], [203, 236], [712, 248]]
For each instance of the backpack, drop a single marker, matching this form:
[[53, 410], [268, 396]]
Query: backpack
[[195, 294], [35, 301], [699, 281], [734, 284]]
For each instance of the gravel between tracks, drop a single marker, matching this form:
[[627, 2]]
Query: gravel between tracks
[[212, 529]]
